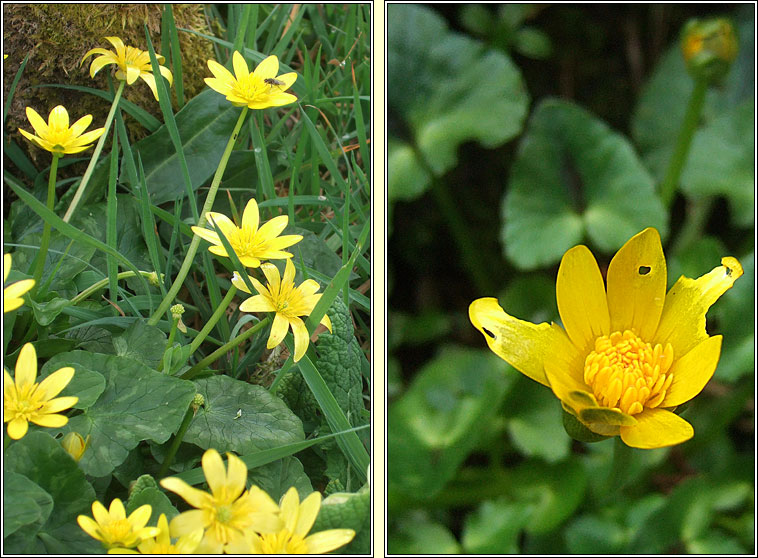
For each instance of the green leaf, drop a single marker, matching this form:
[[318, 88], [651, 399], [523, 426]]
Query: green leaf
[[721, 162], [590, 534], [276, 478], [444, 89], [25, 505], [574, 176], [438, 421], [86, 384], [137, 404], [241, 417], [42, 460], [46, 312], [494, 528], [204, 125], [142, 343], [348, 510], [146, 491], [417, 534]]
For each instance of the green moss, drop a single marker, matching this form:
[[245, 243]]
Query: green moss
[[56, 37]]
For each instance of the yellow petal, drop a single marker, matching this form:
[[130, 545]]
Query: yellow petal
[[18, 288], [59, 404], [17, 428], [656, 428], [288, 79], [307, 513], [302, 338], [272, 228], [240, 66], [220, 73], [257, 303], [215, 472], [186, 522], [223, 223], [289, 273], [327, 323], [223, 87], [523, 345], [205, 234], [272, 276], [251, 215], [268, 68], [194, 497], [289, 509], [132, 73], [150, 80], [236, 476], [89, 526], [278, 331], [581, 298], [637, 284], [117, 510], [56, 382], [326, 541], [692, 371], [683, 318], [100, 513], [139, 517], [26, 367], [278, 100], [39, 125], [58, 119], [238, 282], [7, 259]]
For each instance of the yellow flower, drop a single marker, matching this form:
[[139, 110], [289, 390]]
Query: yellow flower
[[132, 63], [259, 89], [56, 136], [298, 518], [162, 544], [75, 445], [25, 401], [288, 301], [629, 353], [12, 293], [709, 47], [228, 510], [250, 243], [112, 528]]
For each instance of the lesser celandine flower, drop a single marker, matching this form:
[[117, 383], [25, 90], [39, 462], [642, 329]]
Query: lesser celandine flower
[[228, 511], [630, 353], [288, 301], [161, 543], [259, 89], [25, 401], [298, 518], [112, 528], [12, 293], [56, 136], [75, 445], [132, 63], [250, 242]]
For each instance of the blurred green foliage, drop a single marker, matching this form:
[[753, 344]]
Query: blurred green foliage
[[553, 126]]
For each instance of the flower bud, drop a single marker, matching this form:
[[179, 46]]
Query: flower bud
[[709, 47], [197, 402], [75, 445]]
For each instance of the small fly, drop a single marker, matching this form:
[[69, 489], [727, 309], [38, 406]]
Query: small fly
[[272, 82]]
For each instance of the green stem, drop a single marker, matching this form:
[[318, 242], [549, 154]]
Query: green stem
[[95, 155], [200, 337], [698, 211], [176, 442], [617, 478], [221, 351], [104, 283], [683, 142], [192, 250], [47, 229], [170, 342]]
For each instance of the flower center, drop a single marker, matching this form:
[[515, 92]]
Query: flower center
[[224, 514], [626, 373], [118, 531], [283, 542]]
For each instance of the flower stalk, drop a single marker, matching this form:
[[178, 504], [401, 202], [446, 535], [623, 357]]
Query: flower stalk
[[214, 319], [192, 250], [176, 442], [39, 266], [104, 283], [684, 141], [95, 155], [225, 348]]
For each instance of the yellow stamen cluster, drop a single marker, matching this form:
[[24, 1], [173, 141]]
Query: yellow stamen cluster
[[626, 373], [283, 542]]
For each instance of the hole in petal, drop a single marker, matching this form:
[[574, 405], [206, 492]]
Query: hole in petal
[[644, 270], [488, 332]]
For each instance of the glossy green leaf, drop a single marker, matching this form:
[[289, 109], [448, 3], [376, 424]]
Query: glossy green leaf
[[494, 528], [241, 417], [25, 505], [439, 419], [418, 534], [277, 477], [204, 125], [443, 89], [42, 460], [141, 343], [86, 384], [348, 510], [574, 178], [590, 534], [137, 404]]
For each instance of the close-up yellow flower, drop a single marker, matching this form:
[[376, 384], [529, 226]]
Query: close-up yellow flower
[[259, 89], [288, 301], [56, 136], [132, 63], [161, 543], [26, 401], [112, 528], [75, 445], [628, 353], [12, 293], [228, 510], [250, 242], [297, 518]]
